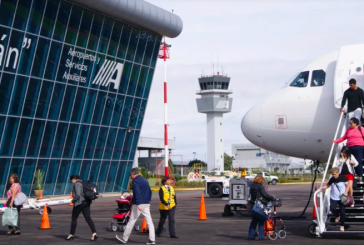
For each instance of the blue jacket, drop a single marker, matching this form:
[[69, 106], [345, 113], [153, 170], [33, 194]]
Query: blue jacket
[[141, 191]]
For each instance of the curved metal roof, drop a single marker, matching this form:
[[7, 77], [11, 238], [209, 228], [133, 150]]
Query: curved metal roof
[[139, 13]]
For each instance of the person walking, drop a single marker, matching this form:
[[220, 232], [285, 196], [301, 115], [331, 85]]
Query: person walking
[[355, 97], [340, 187], [167, 207], [13, 190], [346, 165], [257, 192], [355, 142], [80, 205], [142, 194]]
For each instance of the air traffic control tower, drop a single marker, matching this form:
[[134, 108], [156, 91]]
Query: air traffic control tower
[[214, 102]]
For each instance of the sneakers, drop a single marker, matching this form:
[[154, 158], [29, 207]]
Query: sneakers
[[352, 205], [122, 240]]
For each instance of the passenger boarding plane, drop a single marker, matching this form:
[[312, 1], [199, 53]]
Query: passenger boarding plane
[[301, 119]]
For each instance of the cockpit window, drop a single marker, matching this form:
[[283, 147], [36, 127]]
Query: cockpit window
[[301, 80], [318, 78]]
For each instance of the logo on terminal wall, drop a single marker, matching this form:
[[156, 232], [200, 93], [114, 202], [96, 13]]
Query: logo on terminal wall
[[105, 75], [222, 104]]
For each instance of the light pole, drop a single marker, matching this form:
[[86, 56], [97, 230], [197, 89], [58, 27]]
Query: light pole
[[194, 155], [164, 54]]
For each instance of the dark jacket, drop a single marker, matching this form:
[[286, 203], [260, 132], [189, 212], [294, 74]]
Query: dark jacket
[[355, 99], [257, 191], [141, 191], [77, 193]]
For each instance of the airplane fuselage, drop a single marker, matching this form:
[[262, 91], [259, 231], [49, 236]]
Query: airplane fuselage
[[301, 119]]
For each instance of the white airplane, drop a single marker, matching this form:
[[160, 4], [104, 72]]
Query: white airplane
[[301, 119]]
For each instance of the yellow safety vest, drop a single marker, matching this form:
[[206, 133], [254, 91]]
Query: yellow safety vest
[[168, 197]]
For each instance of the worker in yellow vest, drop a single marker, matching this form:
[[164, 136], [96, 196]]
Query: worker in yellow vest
[[167, 207]]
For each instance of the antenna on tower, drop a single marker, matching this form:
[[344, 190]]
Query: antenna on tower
[[218, 63], [213, 65]]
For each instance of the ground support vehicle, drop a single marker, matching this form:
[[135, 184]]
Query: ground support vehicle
[[218, 186], [270, 178]]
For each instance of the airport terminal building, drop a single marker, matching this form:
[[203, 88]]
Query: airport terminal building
[[75, 77]]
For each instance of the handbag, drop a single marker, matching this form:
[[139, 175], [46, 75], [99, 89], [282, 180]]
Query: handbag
[[20, 199], [10, 217], [260, 211], [345, 200]]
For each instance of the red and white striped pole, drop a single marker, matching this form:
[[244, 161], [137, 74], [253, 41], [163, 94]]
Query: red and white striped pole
[[165, 55]]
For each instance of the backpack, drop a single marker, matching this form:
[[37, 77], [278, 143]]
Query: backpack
[[89, 191]]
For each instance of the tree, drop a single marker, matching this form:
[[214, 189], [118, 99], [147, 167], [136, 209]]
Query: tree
[[228, 162], [196, 161]]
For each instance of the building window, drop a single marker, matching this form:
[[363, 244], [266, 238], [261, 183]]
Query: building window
[[63, 111]]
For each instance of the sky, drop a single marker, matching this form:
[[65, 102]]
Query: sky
[[259, 44]]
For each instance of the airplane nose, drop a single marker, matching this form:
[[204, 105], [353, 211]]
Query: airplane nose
[[251, 125]]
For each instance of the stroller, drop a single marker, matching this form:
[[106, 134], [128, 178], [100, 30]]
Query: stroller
[[121, 218]]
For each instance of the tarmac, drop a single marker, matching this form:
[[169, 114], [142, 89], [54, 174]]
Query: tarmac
[[215, 230]]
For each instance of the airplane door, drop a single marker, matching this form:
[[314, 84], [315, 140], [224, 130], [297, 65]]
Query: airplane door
[[350, 64]]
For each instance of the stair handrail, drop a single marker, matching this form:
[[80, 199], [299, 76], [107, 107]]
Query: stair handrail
[[332, 149], [319, 213], [321, 216]]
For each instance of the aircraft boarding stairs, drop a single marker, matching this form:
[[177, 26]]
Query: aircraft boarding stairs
[[354, 216]]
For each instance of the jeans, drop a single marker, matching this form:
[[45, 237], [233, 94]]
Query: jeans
[[253, 226], [170, 215], [357, 151], [333, 205], [84, 207], [135, 213]]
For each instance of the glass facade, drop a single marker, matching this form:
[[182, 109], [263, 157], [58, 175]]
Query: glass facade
[[74, 86]]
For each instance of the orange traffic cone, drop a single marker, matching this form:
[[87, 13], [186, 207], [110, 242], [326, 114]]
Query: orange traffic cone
[[71, 197], [45, 221], [314, 210], [41, 196], [202, 209], [144, 226]]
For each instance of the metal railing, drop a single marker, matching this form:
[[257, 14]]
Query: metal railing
[[323, 209]]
